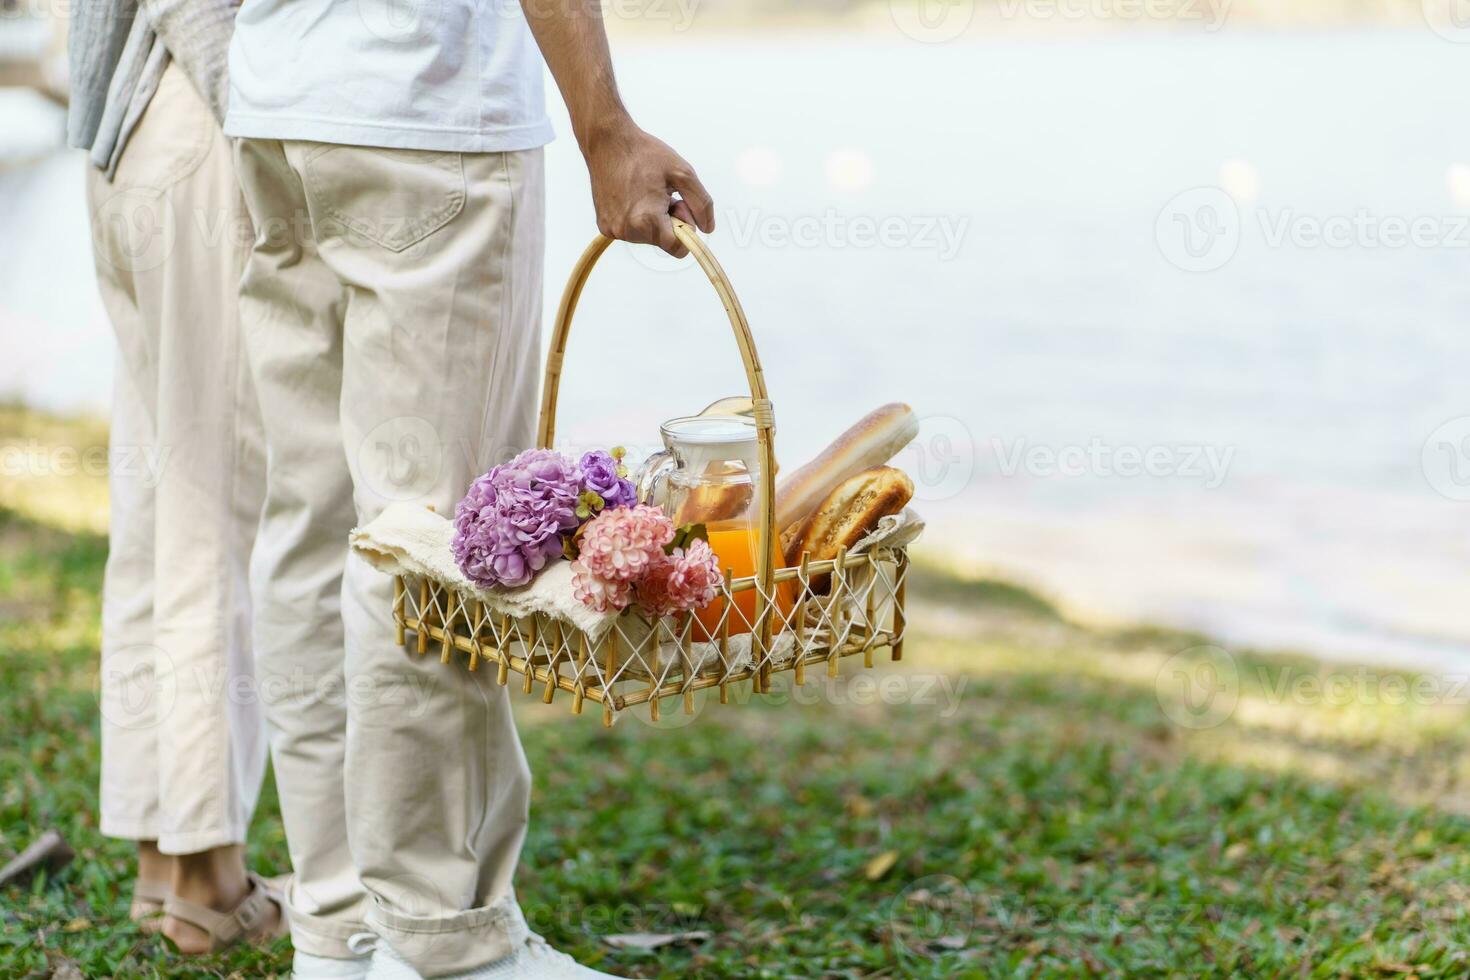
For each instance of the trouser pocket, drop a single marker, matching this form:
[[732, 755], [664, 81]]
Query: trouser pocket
[[395, 198]]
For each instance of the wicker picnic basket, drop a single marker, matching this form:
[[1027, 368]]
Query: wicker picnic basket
[[642, 660]]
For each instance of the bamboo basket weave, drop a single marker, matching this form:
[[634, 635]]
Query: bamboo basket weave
[[643, 660]]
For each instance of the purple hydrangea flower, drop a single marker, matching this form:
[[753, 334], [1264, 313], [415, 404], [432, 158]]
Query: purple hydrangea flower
[[600, 475], [510, 523]]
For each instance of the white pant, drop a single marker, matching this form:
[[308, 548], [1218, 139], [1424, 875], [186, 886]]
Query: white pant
[[391, 308], [183, 747]]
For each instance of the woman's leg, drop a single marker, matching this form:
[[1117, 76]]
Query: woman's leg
[[155, 878], [153, 864], [212, 744], [210, 747], [215, 879], [129, 791]]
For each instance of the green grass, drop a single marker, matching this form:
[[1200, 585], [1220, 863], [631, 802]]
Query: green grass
[[1016, 798]]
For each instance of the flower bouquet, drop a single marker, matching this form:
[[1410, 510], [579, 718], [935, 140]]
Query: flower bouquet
[[543, 506]]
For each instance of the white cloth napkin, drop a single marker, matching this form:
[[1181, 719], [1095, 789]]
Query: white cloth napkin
[[894, 531], [410, 539]]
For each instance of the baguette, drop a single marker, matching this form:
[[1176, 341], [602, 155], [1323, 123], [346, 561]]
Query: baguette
[[873, 441], [850, 512]]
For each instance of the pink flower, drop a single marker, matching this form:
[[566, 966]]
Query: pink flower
[[599, 594], [622, 557], [681, 582], [622, 543]]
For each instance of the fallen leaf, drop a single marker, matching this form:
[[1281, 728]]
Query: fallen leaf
[[653, 940], [880, 865], [77, 925]]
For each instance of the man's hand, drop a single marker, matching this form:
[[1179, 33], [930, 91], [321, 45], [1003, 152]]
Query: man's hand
[[633, 178]]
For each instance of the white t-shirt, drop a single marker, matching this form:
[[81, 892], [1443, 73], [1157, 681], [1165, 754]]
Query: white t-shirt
[[419, 74]]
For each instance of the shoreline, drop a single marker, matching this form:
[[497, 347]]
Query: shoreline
[[1230, 627]]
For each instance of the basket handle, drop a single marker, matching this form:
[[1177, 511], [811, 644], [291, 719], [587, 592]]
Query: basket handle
[[763, 414]]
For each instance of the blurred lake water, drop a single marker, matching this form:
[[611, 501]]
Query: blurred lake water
[[1224, 410]]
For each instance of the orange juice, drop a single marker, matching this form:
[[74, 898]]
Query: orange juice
[[734, 545]]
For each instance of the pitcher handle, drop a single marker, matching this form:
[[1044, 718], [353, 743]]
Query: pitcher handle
[[649, 479]]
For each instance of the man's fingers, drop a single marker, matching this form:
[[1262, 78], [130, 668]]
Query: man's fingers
[[648, 228], [667, 240], [701, 205], [680, 210]]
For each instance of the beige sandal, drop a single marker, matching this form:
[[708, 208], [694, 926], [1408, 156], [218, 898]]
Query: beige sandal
[[247, 921], [148, 902]]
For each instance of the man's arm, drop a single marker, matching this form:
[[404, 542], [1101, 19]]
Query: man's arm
[[633, 174]]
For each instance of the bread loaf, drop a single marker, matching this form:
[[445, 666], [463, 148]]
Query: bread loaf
[[712, 503], [873, 441], [851, 510]]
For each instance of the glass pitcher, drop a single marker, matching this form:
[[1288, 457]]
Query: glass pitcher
[[707, 473]]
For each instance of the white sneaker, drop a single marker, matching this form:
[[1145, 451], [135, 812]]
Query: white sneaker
[[304, 966], [536, 960], [532, 960]]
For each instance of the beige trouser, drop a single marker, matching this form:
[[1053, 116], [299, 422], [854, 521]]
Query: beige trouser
[[183, 744], [391, 308]]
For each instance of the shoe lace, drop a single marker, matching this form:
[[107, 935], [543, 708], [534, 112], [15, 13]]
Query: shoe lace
[[362, 943]]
